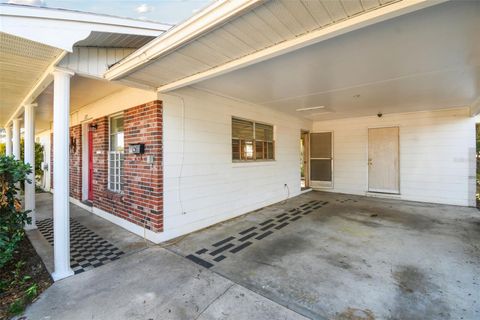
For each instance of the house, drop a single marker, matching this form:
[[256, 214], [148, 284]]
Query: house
[[165, 131]]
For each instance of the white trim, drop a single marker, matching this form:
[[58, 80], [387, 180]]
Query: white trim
[[117, 154], [363, 20], [204, 21], [308, 189], [155, 237], [385, 195], [45, 13], [316, 184], [61, 28], [81, 204], [85, 164]]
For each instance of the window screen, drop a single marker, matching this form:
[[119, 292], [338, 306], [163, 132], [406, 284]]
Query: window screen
[[321, 145], [321, 156]]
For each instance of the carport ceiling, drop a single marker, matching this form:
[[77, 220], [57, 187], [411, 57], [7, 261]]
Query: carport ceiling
[[424, 60]]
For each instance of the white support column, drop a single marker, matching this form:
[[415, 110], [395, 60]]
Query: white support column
[[29, 157], [8, 144], [16, 138], [61, 174]]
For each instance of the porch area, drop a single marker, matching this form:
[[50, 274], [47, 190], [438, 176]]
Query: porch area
[[318, 255], [93, 241]]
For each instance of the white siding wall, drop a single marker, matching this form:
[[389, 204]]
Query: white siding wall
[[209, 188], [437, 154], [115, 102], [93, 61]]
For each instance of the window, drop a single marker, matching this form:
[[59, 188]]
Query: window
[[252, 141], [116, 156]]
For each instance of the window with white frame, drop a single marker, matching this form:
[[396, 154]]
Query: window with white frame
[[116, 156], [252, 141]]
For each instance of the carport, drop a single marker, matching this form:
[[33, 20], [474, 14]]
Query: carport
[[317, 256], [337, 256]]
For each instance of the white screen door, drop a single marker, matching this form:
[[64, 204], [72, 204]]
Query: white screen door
[[321, 160], [383, 160]]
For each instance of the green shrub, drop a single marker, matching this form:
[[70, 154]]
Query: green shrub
[[12, 218], [38, 157]]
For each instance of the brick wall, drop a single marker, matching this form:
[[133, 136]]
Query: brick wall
[[76, 162], [141, 201]]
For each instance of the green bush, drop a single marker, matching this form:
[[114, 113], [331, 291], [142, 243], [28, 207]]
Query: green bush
[[38, 156], [12, 218]]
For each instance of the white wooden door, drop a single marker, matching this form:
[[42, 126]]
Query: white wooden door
[[383, 160]]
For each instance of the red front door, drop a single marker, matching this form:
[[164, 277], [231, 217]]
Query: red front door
[[90, 165]]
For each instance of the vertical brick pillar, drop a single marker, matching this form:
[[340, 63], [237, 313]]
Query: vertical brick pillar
[[76, 162], [144, 181], [100, 164]]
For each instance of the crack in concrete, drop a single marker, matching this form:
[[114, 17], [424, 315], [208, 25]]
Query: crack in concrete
[[213, 301]]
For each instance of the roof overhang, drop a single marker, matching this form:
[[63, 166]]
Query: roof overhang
[[63, 28], [201, 23], [35, 39], [191, 45]]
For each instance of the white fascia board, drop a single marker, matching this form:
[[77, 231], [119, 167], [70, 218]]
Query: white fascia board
[[63, 28], [206, 20], [375, 16]]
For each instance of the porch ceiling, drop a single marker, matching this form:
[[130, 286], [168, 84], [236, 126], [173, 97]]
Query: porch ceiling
[[22, 62], [425, 60], [83, 92]]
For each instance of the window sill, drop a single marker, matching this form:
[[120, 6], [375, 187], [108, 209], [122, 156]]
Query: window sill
[[114, 195], [249, 164]]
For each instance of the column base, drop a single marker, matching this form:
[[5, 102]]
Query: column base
[[57, 275], [29, 227], [33, 225]]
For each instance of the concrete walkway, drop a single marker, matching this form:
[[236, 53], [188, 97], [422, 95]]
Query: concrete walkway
[[317, 256], [153, 284]]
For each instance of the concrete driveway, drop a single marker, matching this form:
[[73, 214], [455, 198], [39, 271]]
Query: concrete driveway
[[318, 256], [341, 256]]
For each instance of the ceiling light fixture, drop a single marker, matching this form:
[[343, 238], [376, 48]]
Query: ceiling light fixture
[[310, 108], [320, 113]]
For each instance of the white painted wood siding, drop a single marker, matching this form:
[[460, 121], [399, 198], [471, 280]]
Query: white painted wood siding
[[208, 187], [437, 154], [93, 61]]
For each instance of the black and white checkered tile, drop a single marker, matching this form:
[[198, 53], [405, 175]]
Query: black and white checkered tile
[[87, 249], [234, 244]]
